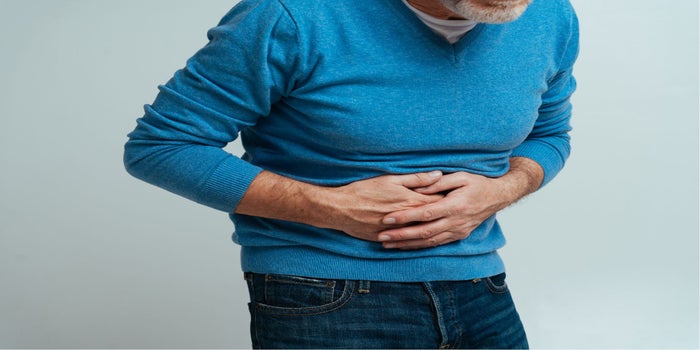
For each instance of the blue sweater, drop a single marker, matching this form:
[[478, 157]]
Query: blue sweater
[[330, 92]]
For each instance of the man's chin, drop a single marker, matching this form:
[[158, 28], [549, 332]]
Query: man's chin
[[485, 11]]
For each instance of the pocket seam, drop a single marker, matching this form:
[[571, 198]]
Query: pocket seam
[[299, 280], [344, 298], [493, 288]]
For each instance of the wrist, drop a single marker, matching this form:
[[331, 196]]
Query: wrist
[[524, 177], [321, 205]]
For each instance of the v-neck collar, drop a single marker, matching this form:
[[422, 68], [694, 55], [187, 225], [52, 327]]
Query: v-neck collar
[[453, 51]]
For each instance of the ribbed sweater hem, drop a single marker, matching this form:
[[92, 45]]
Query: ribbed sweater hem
[[310, 262]]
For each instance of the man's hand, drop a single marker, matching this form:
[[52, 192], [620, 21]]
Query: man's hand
[[403, 211], [470, 200], [356, 209]]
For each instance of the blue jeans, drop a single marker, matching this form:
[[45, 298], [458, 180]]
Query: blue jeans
[[300, 312]]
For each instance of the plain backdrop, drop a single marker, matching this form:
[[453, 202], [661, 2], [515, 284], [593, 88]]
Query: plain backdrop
[[606, 256]]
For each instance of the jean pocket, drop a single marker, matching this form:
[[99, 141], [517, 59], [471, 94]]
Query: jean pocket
[[497, 284], [295, 295]]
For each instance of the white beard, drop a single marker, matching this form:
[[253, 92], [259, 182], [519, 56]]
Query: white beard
[[495, 11]]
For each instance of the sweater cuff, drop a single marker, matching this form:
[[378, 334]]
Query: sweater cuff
[[551, 160], [227, 184]]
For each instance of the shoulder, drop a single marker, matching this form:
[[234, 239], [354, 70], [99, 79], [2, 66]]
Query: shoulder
[[255, 22], [548, 28], [247, 9], [552, 6], [559, 12], [549, 20]]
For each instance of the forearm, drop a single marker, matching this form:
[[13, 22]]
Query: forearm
[[524, 177], [356, 208], [277, 197], [470, 200]]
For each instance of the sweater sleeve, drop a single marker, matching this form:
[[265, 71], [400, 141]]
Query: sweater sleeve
[[548, 143], [226, 86]]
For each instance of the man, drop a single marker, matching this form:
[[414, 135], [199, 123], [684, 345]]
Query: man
[[381, 138]]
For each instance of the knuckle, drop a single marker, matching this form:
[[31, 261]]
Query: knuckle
[[461, 207], [421, 179], [427, 234]]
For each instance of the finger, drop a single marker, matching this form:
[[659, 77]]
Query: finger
[[446, 183], [438, 240], [424, 213], [419, 179], [417, 232]]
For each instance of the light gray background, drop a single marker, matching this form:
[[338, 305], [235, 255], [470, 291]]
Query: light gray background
[[604, 257]]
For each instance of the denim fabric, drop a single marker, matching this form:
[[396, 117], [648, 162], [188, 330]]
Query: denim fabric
[[300, 312]]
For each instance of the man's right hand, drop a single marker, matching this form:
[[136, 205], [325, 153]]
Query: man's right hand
[[356, 209]]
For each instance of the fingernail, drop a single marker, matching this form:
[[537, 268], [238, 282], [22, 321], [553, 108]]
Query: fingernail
[[390, 245], [384, 238], [389, 221], [435, 173]]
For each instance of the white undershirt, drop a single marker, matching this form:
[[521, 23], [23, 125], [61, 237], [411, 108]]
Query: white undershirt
[[451, 29]]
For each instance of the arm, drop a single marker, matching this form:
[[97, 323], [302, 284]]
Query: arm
[[225, 87], [471, 199], [356, 209]]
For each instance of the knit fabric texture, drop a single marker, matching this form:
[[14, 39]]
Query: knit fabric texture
[[331, 92]]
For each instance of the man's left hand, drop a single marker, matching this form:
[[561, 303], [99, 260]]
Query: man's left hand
[[470, 199]]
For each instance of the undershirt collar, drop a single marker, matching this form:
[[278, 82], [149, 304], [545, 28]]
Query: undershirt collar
[[450, 29]]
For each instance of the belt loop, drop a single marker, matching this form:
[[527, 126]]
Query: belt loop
[[364, 287]]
